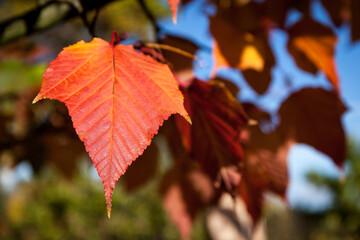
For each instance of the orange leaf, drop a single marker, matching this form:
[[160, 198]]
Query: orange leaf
[[117, 99], [251, 59], [241, 42], [174, 5], [219, 59], [310, 44]]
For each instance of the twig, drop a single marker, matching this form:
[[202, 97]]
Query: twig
[[172, 49], [151, 18], [94, 20], [84, 17]]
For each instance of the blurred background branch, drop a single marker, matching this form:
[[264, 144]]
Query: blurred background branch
[[38, 19]]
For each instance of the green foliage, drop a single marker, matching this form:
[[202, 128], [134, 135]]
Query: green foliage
[[16, 76], [51, 207], [127, 16], [342, 221]]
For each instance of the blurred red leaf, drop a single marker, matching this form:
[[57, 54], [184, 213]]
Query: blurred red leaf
[[217, 119], [313, 116], [312, 46], [264, 170], [229, 85], [142, 170], [334, 9], [265, 162], [117, 98], [175, 206], [179, 62], [252, 197], [355, 20], [185, 191], [277, 10]]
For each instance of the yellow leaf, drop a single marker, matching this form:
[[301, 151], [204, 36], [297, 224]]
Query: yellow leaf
[[250, 58]]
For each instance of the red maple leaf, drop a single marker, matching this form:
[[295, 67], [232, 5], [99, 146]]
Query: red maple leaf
[[117, 99]]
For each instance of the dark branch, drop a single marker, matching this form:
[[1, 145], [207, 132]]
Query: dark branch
[[31, 18], [88, 6], [93, 22], [151, 17]]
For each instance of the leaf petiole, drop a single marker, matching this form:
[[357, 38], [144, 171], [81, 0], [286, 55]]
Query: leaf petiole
[[115, 39]]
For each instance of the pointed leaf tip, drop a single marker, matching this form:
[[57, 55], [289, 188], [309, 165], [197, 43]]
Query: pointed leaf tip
[[36, 99], [108, 197], [109, 212], [174, 7], [188, 119]]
